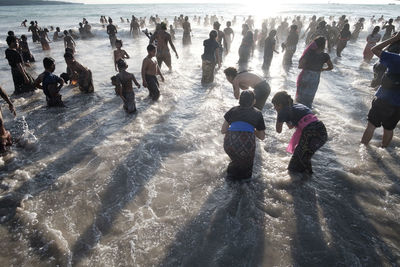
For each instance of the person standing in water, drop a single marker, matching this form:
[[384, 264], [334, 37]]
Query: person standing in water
[[163, 38], [241, 126], [389, 27], [385, 108], [112, 31], [26, 53], [344, 37], [119, 53], [246, 49], [34, 29], [210, 58], [50, 84], [269, 49], [23, 82], [150, 70], [290, 45], [44, 39], [312, 64], [229, 36], [220, 38], [69, 41], [124, 86], [372, 40], [310, 134], [5, 136], [244, 80], [186, 39]]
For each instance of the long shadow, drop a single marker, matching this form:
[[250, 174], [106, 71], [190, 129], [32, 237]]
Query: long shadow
[[228, 231], [126, 184], [331, 226], [41, 244]]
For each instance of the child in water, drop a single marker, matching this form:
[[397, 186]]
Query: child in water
[[150, 69], [50, 84], [310, 134], [26, 53], [5, 136], [79, 73], [123, 86], [119, 53]]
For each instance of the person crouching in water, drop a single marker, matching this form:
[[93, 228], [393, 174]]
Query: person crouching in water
[[50, 84], [242, 125], [150, 69], [79, 73], [123, 86], [5, 136], [310, 134], [210, 58], [244, 80]]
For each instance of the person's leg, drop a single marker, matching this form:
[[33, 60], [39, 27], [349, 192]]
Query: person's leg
[[368, 133], [387, 137]]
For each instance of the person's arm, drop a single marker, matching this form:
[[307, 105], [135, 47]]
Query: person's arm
[[126, 54], [273, 49], [144, 67], [236, 89], [61, 84], [225, 127], [302, 62], [135, 81], [172, 45], [115, 61], [330, 66], [377, 50], [260, 134], [38, 82], [22, 70], [159, 73], [218, 57], [7, 99], [278, 126]]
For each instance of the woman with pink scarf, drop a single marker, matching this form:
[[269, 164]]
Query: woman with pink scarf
[[312, 64], [310, 134]]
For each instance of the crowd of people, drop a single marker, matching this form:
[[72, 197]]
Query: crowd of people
[[244, 123]]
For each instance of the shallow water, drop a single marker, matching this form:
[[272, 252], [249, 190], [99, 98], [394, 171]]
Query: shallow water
[[98, 187]]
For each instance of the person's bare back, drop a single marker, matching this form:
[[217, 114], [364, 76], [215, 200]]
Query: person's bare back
[[245, 80]]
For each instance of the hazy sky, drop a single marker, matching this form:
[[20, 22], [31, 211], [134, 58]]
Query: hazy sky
[[231, 1]]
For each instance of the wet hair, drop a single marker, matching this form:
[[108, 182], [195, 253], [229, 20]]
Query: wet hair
[[376, 30], [65, 32], [346, 27], [118, 41], [68, 55], [23, 37], [282, 98], [163, 26], [110, 20], [213, 34], [32, 22], [11, 39], [186, 18], [46, 30], [231, 71], [216, 25], [390, 20], [10, 33], [48, 62], [246, 99], [320, 42], [293, 28], [121, 64], [58, 28], [150, 48], [272, 33], [228, 23]]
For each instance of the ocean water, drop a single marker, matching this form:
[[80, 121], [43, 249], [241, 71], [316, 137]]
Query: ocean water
[[97, 187]]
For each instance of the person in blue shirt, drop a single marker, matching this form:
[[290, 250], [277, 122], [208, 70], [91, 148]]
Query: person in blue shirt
[[241, 126], [385, 109]]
